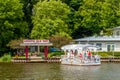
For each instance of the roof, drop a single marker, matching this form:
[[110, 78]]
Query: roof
[[99, 38], [79, 47], [36, 44]]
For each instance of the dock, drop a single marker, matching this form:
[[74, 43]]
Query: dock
[[114, 60], [36, 60], [55, 60]]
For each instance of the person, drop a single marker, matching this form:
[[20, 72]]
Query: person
[[85, 55], [97, 58], [76, 52], [16, 55], [81, 57], [89, 55], [72, 54], [68, 54]]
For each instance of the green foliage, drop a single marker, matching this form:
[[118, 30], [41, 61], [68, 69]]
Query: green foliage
[[103, 54], [59, 40], [106, 32], [12, 25], [50, 18], [28, 10], [108, 54], [97, 15], [15, 44], [69, 18], [74, 4], [5, 58], [55, 54]]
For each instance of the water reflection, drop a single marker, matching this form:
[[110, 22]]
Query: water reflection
[[80, 72], [103, 72], [55, 71]]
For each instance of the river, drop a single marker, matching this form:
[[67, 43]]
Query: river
[[56, 71]]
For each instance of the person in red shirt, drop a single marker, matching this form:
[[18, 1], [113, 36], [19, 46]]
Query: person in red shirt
[[89, 55], [81, 57]]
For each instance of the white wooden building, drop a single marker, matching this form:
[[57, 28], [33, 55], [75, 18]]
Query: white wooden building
[[106, 43]]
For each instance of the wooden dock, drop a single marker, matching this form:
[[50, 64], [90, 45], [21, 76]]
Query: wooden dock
[[36, 60], [117, 60], [54, 60]]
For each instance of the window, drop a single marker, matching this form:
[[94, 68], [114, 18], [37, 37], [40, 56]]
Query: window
[[99, 45], [117, 33], [110, 47], [91, 43]]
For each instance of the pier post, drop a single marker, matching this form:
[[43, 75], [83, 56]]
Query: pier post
[[46, 51], [26, 51]]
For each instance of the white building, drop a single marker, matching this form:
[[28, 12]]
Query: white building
[[107, 43]]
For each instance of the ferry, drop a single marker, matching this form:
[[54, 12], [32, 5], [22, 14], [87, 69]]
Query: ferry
[[79, 54]]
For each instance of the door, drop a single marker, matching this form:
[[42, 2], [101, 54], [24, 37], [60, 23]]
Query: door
[[110, 47]]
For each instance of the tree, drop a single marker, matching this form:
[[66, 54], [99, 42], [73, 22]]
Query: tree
[[74, 4], [96, 15], [28, 10], [15, 44], [50, 18], [59, 40], [12, 25]]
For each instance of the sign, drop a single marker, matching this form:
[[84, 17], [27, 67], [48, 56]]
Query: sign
[[35, 41]]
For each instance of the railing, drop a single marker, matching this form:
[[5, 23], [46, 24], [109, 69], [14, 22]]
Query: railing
[[90, 59], [108, 59], [57, 59]]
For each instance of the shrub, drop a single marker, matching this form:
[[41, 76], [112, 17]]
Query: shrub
[[57, 54], [107, 54], [5, 58]]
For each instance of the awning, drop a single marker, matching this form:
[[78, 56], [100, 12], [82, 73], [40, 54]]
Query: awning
[[36, 44]]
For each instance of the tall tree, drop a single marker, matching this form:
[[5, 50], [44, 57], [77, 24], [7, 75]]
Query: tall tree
[[74, 5], [59, 40], [96, 15], [28, 11], [50, 18], [12, 25]]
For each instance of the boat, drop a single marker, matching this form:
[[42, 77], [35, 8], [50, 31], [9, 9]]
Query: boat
[[79, 54]]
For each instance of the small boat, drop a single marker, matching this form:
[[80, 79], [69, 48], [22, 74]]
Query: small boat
[[78, 54]]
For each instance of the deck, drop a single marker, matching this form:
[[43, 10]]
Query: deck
[[54, 60]]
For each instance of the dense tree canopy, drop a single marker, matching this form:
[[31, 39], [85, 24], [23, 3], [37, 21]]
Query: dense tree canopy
[[12, 25], [50, 18], [56, 18], [28, 9], [97, 15], [74, 4]]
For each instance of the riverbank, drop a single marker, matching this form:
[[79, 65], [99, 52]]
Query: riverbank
[[54, 60]]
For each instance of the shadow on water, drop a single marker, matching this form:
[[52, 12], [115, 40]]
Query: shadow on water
[[56, 71]]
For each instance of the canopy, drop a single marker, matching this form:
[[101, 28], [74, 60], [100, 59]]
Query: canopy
[[80, 47]]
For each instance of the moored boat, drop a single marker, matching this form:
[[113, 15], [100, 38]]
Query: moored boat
[[78, 54]]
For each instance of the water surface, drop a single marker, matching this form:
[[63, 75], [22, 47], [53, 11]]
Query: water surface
[[56, 71]]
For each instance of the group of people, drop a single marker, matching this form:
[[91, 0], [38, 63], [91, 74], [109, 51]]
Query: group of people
[[85, 55]]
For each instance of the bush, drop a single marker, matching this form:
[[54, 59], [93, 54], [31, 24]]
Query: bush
[[55, 54], [107, 54], [5, 58]]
